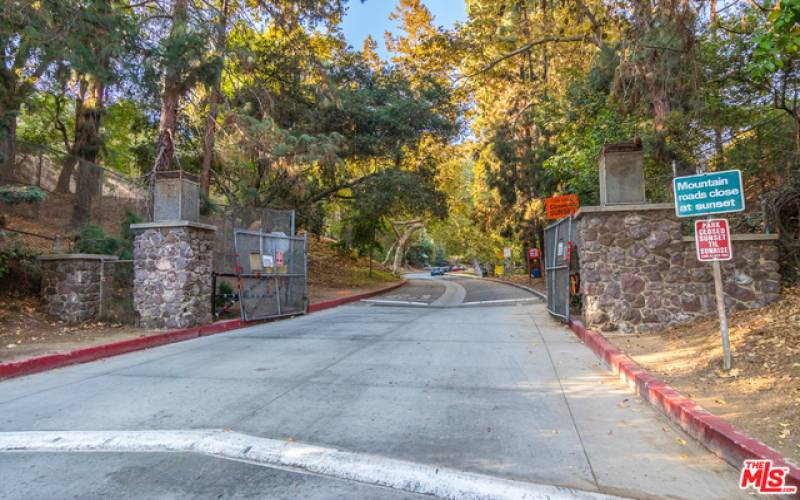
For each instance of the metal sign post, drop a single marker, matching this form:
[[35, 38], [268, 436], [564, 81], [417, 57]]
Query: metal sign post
[[713, 243], [723, 317]]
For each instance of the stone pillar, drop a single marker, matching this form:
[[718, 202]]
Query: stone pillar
[[639, 273], [173, 262], [72, 286]]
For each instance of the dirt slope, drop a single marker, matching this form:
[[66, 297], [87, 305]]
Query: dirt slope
[[761, 395]]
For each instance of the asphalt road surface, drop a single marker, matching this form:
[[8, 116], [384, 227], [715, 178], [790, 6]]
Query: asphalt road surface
[[446, 386]]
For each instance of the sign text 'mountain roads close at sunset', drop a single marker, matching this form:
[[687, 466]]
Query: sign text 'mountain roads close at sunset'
[[709, 193]]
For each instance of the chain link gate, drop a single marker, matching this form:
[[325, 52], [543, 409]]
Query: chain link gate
[[557, 256], [271, 273]]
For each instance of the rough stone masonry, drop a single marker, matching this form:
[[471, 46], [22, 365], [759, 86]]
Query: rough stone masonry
[[72, 286], [639, 273], [172, 274]]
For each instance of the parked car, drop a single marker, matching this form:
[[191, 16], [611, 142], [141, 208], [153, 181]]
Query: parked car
[[437, 271]]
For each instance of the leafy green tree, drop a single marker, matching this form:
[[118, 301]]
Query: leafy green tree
[[32, 36], [777, 41]]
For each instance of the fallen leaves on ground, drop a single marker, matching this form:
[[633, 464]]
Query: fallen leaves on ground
[[761, 394]]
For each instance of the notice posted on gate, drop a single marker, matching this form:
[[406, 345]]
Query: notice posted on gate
[[558, 207], [713, 240]]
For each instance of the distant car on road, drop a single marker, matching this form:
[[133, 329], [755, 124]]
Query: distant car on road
[[437, 271]]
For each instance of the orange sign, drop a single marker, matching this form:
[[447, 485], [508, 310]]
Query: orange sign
[[559, 207]]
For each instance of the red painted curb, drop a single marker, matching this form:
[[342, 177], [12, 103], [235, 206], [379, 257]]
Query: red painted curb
[[714, 433], [352, 298], [86, 354]]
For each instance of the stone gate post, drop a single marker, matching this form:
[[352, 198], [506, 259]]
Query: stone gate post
[[173, 261], [72, 285]]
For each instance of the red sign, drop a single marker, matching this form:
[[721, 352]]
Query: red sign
[[533, 253], [559, 207], [713, 240]]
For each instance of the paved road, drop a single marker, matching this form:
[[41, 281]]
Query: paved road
[[434, 374]]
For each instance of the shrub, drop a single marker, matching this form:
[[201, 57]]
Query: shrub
[[15, 195], [93, 239], [20, 271], [126, 249]]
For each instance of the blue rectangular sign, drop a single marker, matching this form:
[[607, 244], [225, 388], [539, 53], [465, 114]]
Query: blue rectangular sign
[[706, 194]]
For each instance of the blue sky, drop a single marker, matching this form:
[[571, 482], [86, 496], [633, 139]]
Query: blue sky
[[372, 18]]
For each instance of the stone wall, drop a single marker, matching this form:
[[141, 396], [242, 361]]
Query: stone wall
[[172, 274], [72, 286], [638, 273]]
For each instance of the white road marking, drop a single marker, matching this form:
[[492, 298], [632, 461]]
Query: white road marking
[[404, 302], [453, 295], [498, 301], [370, 469]]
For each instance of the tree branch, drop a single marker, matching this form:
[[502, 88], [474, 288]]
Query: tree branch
[[59, 124], [528, 46], [353, 183], [597, 28]]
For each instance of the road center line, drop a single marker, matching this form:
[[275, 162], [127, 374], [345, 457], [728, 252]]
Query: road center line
[[364, 468]]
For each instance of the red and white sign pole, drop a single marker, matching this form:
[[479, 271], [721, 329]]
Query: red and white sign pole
[[713, 242]]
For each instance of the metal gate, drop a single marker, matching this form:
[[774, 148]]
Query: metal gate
[[557, 254], [271, 273]]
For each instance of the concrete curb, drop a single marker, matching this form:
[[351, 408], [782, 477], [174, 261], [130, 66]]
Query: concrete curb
[[414, 478], [534, 291], [711, 431], [319, 306], [86, 354]]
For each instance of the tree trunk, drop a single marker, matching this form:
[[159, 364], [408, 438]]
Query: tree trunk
[[88, 187], [796, 117], [12, 95], [208, 142], [214, 99], [173, 90], [719, 147], [477, 267], [409, 228], [388, 255], [8, 145], [661, 109], [85, 147], [165, 150], [68, 169], [65, 177]]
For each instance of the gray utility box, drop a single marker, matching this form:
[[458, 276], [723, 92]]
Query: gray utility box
[[176, 197], [622, 174]]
